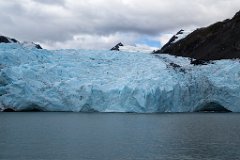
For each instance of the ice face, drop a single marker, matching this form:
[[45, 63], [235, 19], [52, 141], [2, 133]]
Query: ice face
[[108, 81]]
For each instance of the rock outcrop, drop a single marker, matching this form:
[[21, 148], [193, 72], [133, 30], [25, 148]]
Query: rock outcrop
[[116, 48], [4, 39]]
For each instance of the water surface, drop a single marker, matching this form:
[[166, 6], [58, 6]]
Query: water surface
[[99, 136]]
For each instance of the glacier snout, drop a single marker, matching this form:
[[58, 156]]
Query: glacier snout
[[105, 81]]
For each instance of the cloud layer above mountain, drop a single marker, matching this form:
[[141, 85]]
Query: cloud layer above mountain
[[99, 24]]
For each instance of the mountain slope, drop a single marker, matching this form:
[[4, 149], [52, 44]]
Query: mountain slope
[[218, 41]]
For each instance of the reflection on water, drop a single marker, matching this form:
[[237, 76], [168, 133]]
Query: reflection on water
[[98, 136]]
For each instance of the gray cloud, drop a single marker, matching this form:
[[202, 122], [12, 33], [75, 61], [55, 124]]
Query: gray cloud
[[102, 23], [51, 2]]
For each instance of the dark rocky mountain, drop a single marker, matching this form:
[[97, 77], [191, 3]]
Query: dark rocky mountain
[[38, 46], [116, 48], [4, 39], [218, 41]]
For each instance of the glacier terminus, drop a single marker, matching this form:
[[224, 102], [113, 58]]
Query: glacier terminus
[[111, 81]]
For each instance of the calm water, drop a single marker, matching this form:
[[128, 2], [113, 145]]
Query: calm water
[[119, 136]]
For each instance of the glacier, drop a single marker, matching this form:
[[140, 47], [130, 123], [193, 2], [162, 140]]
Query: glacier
[[111, 81]]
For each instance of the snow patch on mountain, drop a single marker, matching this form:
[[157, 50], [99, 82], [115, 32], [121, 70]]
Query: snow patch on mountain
[[31, 45], [135, 48], [181, 35], [175, 38]]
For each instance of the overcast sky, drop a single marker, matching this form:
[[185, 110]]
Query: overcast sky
[[100, 24]]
